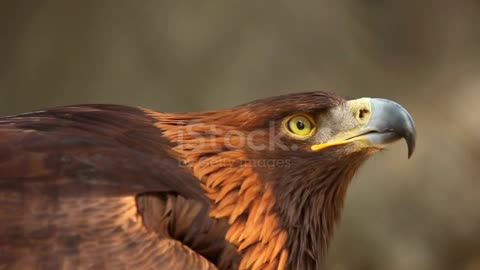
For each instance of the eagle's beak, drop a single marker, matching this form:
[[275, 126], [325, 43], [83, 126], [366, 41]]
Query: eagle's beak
[[380, 122]]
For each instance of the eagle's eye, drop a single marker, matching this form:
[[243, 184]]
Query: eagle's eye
[[300, 126]]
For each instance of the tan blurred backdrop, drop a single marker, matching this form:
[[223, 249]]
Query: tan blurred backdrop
[[421, 213]]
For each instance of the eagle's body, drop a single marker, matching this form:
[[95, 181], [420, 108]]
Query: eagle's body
[[69, 180], [115, 187]]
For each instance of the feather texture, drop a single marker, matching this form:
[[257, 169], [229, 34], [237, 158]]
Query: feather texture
[[115, 187], [91, 186]]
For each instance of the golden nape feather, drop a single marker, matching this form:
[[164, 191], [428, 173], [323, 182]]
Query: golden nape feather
[[257, 186]]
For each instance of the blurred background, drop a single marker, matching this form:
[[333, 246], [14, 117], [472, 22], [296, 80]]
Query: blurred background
[[175, 56]]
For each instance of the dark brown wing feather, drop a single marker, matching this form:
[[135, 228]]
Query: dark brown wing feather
[[70, 180], [105, 148]]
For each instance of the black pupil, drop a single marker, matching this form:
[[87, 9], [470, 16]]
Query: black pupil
[[300, 125]]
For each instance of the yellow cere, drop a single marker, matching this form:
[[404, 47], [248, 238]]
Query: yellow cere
[[361, 108]]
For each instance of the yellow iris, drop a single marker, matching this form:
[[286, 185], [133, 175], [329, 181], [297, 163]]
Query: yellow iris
[[300, 125]]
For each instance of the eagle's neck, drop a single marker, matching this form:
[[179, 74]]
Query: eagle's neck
[[310, 201]]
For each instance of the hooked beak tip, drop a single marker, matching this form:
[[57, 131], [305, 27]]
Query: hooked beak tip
[[389, 115]]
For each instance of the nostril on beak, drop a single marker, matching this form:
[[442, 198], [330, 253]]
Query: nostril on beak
[[363, 114]]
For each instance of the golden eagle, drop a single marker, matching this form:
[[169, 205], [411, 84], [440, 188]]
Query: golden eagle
[[257, 186]]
